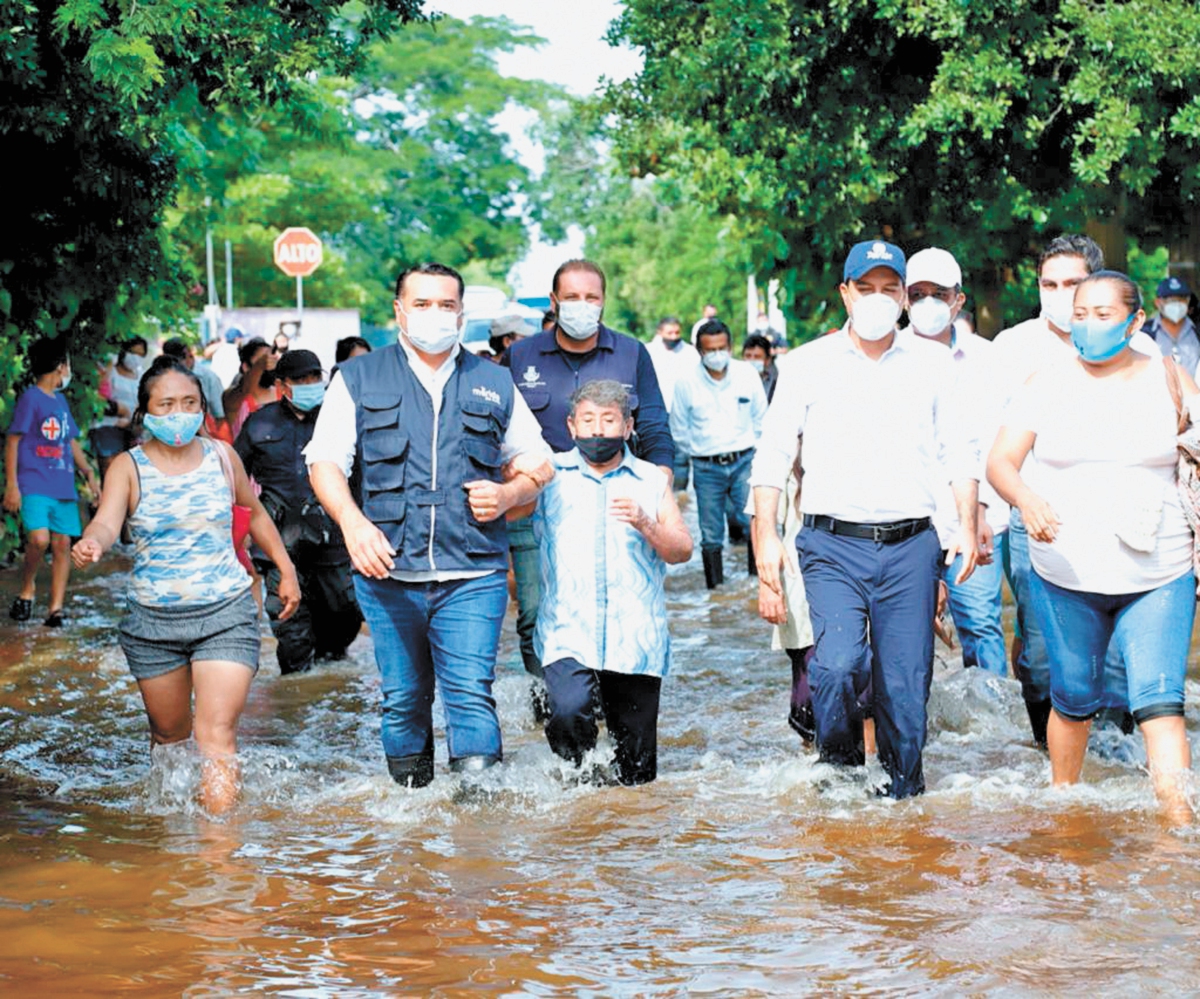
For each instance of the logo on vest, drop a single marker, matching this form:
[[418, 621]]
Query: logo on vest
[[532, 375], [879, 251], [486, 393]]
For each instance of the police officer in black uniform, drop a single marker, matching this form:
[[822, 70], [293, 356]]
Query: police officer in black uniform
[[271, 446]]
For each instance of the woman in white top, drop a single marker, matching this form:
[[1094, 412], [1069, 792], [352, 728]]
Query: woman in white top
[[1110, 547]]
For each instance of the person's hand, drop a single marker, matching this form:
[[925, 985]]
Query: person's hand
[[771, 605], [289, 593], [370, 552], [770, 557], [486, 499], [12, 498], [630, 512], [987, 543], [85, 552], [939, 615], [1041, 522]]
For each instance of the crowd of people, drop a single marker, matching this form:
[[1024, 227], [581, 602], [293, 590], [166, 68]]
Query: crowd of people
[[879, 475]]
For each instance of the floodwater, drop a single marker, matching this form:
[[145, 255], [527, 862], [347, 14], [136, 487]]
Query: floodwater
[[747, 869]]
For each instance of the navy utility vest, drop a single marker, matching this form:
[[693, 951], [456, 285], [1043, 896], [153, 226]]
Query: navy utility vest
[[411, 462]]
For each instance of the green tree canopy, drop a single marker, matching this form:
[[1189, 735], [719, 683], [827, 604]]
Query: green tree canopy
[[978, 127]]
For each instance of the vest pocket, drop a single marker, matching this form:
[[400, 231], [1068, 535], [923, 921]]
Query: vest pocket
[[387, 508], [484, 455], [384, 447]]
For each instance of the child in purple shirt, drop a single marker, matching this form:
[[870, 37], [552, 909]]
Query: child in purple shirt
[[41, 452]]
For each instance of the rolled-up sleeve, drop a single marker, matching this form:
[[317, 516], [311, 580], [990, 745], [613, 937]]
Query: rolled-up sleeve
[[782, 424], [653, 430], [335, 436]]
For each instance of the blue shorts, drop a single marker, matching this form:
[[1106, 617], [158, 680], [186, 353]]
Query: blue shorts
[[59, 516], [1152, 631]]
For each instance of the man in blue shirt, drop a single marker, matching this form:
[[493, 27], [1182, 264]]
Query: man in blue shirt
[[1171, 328], [547, 369]]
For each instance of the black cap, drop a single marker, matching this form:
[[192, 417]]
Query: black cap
[[298, 364], [1173, 287]]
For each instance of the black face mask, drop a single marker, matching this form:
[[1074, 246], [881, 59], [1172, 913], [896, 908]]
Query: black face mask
[[673, 344], [599, 450]]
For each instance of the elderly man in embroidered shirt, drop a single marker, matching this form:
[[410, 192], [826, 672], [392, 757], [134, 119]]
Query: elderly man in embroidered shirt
[[607, 526]]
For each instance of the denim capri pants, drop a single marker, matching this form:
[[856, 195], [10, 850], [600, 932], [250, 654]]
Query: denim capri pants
[[157, 640], [1151, 630]]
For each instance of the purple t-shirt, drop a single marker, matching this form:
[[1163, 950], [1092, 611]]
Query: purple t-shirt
[[45, 463]]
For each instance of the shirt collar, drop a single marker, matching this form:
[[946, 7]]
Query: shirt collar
[[414, 358], [606, 340], [901, 340]]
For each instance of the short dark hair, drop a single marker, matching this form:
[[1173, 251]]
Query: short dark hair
[[176, 347], [164, 364], [714, 327], [759, 341], [248, 349], [439, 270], [668, 321], [45, 354], [578, 264], [346, 345], [1074, 245], [1131, 294], [603, 392]]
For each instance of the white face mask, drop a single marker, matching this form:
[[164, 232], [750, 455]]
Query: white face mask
[[874, 316], [1174, 311], [65, 382], [758, 365], [134, 364], [1058, 307], [929, 316], [716, 360], [433, 331], [579, 319]]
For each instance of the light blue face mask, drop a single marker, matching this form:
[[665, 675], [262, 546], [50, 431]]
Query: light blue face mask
[[1097, 342], [308, 397], [173, 429]]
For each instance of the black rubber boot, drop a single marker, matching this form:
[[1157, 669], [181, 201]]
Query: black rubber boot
[[411, 771], [473, 764], [714, 569], [1039, 717]]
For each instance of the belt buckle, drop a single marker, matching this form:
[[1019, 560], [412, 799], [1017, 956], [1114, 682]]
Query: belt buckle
[[877, 534], [724, 459]]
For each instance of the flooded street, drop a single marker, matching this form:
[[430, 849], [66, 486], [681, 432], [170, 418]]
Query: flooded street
[[746, 869]]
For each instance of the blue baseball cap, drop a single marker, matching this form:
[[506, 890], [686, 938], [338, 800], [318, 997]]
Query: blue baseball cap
[[1172, 287], [874, 253]]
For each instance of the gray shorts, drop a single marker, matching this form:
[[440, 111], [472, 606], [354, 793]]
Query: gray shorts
[[157, 640]]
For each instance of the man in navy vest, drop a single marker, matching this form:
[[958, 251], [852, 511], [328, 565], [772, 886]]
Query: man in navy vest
[[419, 450], [547, 369]]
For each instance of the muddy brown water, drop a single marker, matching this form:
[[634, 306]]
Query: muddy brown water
[[747, 869]]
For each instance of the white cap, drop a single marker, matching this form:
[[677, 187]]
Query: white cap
[[936, 266]]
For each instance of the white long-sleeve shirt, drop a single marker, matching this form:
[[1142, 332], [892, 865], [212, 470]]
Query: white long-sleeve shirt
[[711, 416], [882, 439]]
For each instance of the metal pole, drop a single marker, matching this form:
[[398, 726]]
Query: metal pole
[[229, 274], [212, 277], [299, 298]]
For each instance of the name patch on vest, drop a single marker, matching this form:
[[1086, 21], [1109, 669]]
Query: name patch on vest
[[486, 393]]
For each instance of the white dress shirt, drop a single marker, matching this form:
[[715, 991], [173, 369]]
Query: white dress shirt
[[717, 416], [881, 438], [670, 364], [335, 437], [980, 390]]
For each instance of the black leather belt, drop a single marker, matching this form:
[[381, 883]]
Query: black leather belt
[[723, 459], [887, 534]]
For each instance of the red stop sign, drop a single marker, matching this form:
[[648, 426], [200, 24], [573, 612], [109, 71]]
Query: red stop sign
[[297, 251]]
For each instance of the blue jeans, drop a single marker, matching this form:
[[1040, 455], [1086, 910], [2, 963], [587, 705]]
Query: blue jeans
[[444, 631], [526, 562], [975, 607], [683, 466], [1151, 631], [872, 615], [1032, 665], [721, 493]]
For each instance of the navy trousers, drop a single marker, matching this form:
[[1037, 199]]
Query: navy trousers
[[872, 607], [630, 705]]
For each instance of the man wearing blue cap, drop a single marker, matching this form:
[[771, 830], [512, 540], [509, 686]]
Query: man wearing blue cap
[[881, 438], [1171, 328]]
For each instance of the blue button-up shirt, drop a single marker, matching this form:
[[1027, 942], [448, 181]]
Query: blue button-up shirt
[[1185, 348], [546, 375]]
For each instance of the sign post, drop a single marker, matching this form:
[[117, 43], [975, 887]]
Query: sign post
[[298, 253]]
